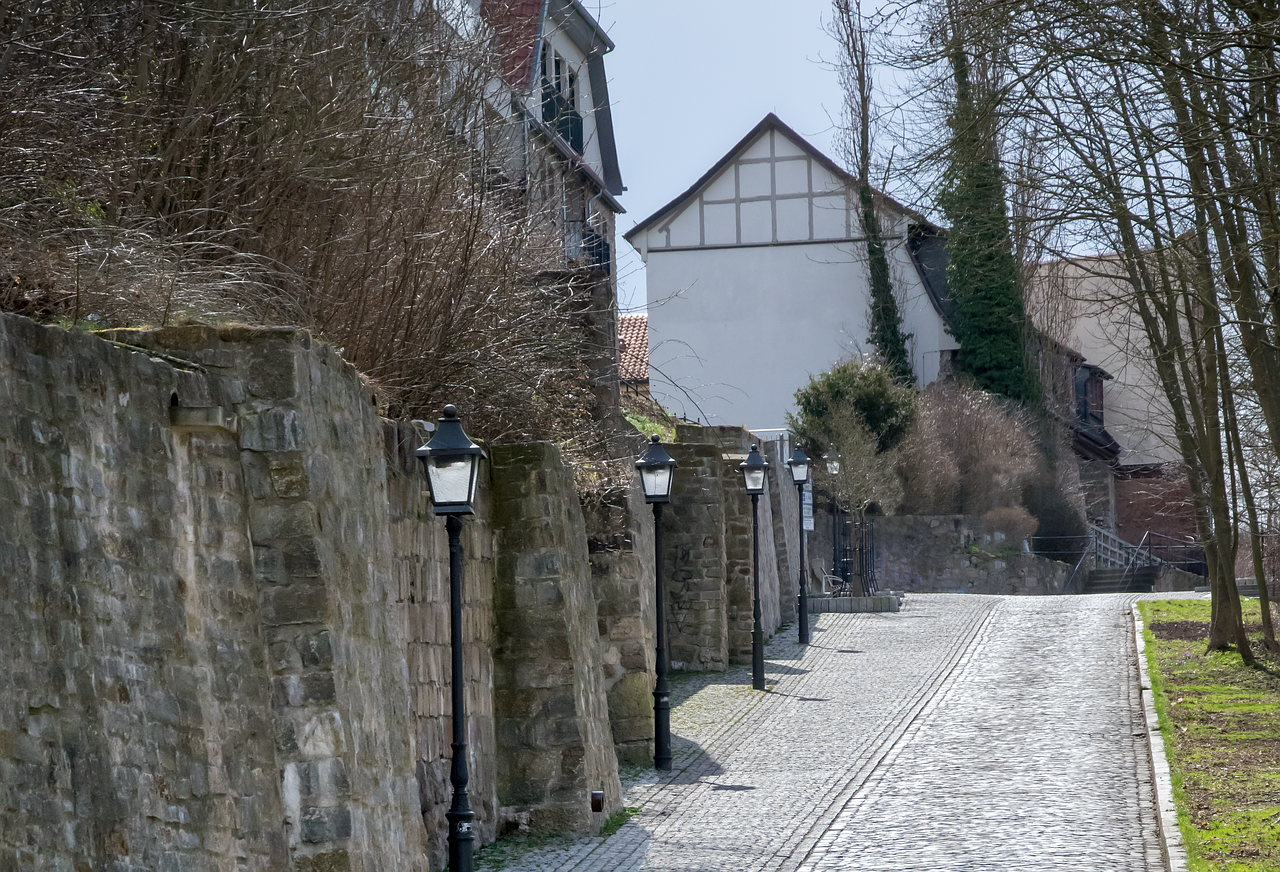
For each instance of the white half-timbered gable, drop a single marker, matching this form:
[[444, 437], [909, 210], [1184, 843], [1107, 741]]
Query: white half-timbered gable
[[757, 278], [774, 192]]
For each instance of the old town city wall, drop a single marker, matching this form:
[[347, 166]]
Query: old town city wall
[[224, 611], [224, 616]]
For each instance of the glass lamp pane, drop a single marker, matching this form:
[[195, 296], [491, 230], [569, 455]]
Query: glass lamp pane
[[799, 472], [656, 481], [833, 467], [755, 480], [451, 479]]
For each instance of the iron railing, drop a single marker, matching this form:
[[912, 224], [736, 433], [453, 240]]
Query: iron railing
[[853, 553], [585, 247], [1102, 549]]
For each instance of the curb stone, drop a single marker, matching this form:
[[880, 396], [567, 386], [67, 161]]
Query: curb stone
[[1175, 855]]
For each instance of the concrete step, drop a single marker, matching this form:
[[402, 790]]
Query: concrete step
[[1140, 580], [848, 604]]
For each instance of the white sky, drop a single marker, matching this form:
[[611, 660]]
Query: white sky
[[689, 78]]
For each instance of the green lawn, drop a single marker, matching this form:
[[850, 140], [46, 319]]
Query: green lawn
[[1221, 723]]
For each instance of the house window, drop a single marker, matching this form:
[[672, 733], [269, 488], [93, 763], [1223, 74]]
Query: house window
[[1095, 397], [1089, 396], [559, 81], [560, 98]]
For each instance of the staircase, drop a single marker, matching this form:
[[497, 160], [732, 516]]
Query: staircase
[[1136, 579], [1117, 566]]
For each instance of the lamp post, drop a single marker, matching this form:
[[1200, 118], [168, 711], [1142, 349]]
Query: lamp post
[[451, 461], [833, 469], [799, 464], [753, 472], [655, 477]]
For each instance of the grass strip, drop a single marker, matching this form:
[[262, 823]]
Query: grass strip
[[1221, 725]]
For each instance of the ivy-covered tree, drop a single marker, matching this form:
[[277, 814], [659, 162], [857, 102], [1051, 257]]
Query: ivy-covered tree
[[887, 336], [982, 273]]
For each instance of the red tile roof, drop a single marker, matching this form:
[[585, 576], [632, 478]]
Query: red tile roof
[[633, 347]]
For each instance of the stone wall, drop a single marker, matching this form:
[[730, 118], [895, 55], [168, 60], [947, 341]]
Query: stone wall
[[315, 482], [785, 504], [622, 576], [223, 614], [957, 554], [693, 559], [738, 548], [707, 564], [551, 711], [137, 724]]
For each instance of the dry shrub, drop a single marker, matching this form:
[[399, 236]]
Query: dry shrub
[[929, 472], [1014, 522], [968, 452], [865, 477], [333, 164]]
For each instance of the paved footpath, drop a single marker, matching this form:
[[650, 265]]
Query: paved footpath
[[962, 733]]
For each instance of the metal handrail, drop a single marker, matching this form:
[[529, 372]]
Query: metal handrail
[[1110, 550], [1068, 587], [1130, 571]]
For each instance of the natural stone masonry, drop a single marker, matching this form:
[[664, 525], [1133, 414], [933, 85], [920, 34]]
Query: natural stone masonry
[[739, 571], [959, 554], [224, 614], [622, 577], [964, 732], [135, 722], [693, 570], [785, 514], [329, 612], [552, 715], [707, 569]]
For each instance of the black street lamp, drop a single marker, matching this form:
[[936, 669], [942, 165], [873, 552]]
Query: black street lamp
[[452, 461], [753, 472], [837, 562], [799, 464], [655, 477]]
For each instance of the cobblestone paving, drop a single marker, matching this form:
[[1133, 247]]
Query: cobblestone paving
[[964, 732]]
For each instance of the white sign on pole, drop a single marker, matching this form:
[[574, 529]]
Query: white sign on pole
[[808, 523]]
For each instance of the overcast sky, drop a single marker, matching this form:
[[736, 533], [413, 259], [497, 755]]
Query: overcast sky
[[689, 78]]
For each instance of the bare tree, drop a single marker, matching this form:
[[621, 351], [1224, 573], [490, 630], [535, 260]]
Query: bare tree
[[338, 164], [851, 30]]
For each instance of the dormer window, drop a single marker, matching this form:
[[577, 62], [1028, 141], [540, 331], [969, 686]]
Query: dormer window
[[1089, 395], [560, 98], [559, 81]]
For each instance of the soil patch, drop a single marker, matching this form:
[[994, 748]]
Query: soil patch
[[1183, 631]]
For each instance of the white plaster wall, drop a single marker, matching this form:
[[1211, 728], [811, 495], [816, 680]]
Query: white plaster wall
[[734, 332]]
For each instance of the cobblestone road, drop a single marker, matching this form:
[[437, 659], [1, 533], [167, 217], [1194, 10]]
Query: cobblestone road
[[964, 732]]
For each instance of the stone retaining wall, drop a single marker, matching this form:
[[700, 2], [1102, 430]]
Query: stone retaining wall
[[957, 554], [707, 535], [552, 716], [224, 611], [622, 576], [421, 573], [223, 615], [693, 567]]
